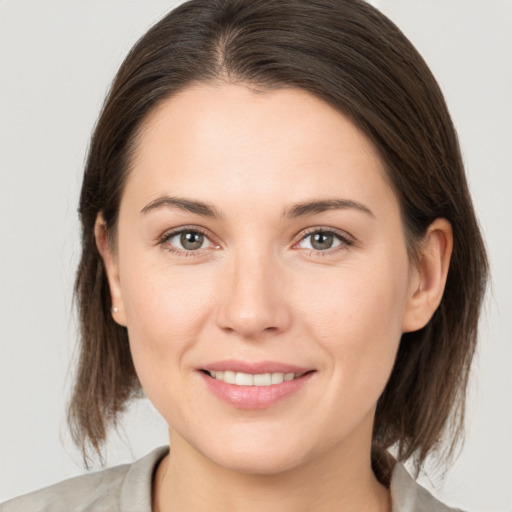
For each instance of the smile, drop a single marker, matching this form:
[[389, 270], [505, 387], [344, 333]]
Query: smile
[[254, 385], [248, 379]]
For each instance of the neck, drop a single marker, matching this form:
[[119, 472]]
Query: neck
[[339, 480]]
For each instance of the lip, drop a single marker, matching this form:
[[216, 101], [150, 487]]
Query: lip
[[254, 397], [254, 367]]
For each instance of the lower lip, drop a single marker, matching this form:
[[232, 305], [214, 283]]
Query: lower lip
[[254, 397]]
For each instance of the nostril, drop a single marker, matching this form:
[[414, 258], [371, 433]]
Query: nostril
[[254, 314]]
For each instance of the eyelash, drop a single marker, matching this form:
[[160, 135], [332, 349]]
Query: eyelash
[[164, 241], [344, 239]]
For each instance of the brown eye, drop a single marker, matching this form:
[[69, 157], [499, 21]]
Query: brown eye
[[322, 241], [187, 240], [191, 240]]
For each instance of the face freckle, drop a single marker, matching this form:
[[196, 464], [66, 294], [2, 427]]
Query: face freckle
[[259, 176]]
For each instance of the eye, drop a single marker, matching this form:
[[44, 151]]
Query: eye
[[187, 240], [323, 240]]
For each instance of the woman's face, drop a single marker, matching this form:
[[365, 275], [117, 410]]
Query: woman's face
[[258, 238]]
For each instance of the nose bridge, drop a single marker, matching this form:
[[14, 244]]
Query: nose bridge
[[253, 301]]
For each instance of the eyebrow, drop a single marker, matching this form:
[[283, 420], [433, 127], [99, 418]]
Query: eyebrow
[[189, 205], [319, 206], [297, 210]]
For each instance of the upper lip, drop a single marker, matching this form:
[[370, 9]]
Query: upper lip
[[255, 368]]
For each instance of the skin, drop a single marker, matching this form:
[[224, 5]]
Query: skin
[[257, 290]]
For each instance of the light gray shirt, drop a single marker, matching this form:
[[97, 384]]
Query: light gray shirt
[[127, 488]]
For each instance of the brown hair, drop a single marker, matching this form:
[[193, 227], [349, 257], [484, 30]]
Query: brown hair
[[351, 56]]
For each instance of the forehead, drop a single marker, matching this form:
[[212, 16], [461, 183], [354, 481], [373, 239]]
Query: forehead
[[232, 140]]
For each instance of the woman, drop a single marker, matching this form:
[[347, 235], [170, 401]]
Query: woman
[[279, 248]]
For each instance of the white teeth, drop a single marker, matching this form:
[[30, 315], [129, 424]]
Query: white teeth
[[244, 379], [248, 379], [277, 378], [229, 377], [263, 379]]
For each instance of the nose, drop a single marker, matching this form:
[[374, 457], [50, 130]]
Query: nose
[[253, 302]]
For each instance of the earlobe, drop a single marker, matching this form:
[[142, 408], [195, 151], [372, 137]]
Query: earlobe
[[430, 275], [111, 269]]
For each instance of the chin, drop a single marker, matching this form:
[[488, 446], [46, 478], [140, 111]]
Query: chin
[[258, 455], [262, 463]]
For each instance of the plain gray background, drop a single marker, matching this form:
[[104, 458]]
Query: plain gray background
[[57, 59]]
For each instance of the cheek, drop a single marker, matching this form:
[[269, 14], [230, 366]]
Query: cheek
[[165, 310], [159, 296], [357, 319]]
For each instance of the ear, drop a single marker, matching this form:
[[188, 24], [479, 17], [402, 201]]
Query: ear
[[111, 267], [429, 278]]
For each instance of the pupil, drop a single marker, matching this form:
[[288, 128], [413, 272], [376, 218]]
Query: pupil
[[322, 241], [191, 241]]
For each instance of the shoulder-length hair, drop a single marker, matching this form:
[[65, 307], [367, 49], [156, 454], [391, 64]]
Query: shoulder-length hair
[[351, 56]]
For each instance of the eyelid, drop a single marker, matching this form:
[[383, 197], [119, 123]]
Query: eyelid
[[346, 239], [167, 235]]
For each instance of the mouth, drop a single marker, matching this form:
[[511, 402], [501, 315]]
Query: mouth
[[249, 379], [255, 386]]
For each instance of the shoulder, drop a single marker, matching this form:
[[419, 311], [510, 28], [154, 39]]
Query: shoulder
[[123, 488], [408, 496]]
